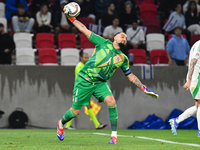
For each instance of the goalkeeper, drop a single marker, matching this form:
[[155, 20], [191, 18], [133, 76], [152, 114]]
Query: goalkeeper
[[91, 79], [83, 59]]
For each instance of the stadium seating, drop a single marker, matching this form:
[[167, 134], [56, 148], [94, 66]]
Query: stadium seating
[[66, 40], [89, 51], [148, 11], [153, 25], [23, 40], [85, 43], [194, 38], [170, 36], [44, 40], [158, 56], [155, 41], [69, 56], [139, 56], [2, 9], [140, 2], [86, 21], [4, 22], [47, 56], [25, 56]]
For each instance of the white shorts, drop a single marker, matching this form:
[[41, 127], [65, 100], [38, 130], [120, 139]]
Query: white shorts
[[195, 86]]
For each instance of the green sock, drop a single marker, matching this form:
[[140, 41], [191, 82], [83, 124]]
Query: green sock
[[113, 113], [68, 116], [93, 117], [69, 122]]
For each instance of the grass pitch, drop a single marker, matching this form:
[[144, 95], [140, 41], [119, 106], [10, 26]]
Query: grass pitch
[[19, 139]]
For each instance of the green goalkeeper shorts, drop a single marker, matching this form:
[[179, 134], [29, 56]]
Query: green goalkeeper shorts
[[83, 90]]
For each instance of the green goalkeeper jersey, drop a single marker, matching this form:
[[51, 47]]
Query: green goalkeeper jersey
[[104, 61]]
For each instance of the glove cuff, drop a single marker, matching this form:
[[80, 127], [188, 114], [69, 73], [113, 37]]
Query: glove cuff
[[143, 88], [72, 19]]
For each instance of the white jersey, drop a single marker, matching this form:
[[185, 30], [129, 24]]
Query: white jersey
[[195, 53], [109, 31]]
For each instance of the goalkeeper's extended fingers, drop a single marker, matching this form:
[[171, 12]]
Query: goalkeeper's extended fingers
[[152, 93], [66, 10]]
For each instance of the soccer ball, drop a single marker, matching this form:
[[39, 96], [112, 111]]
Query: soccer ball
[[72, 9]]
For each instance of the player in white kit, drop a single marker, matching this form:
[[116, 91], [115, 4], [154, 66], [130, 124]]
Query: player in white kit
[[193, 83]]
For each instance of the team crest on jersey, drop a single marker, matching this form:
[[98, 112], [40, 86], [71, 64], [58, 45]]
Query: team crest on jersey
[[75, 99], [197, 54], [118, 58]]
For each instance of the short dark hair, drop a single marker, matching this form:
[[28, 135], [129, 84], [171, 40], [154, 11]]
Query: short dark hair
[[21, 5], [177, 27], [1, 25], [118, 33], [133, 21]]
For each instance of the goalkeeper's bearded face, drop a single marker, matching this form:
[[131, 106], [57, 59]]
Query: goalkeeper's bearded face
[[121, 39]]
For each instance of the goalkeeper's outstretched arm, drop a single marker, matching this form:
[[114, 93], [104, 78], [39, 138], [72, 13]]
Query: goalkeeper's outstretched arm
[[133, 79], [82, 28]]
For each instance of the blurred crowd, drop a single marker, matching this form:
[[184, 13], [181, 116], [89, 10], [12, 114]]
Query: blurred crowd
[[46, 16]]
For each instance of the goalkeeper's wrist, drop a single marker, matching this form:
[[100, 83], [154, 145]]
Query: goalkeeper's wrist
[[143, 88], [72, 19]]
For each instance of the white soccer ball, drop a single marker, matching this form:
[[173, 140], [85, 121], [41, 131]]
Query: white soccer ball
[[72, 9]]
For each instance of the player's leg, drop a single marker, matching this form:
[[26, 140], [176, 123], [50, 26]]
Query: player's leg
[[113, 114], [186, 114], [104, 94], [68, 125], [94, 118], [71, 113], [197, 103], [81, 96]]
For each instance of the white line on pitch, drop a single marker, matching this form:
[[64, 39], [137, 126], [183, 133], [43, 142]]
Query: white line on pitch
[[160, 140], [110, 134]]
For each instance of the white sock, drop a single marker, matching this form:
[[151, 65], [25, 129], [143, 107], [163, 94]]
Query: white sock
[[114, 133], [186, 114], [61, 125], [198, 118]]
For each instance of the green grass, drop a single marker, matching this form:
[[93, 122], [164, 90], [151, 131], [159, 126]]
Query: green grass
[[78, 139]]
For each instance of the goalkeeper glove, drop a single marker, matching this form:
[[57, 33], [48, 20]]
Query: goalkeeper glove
[[66, 11], [149, 92]]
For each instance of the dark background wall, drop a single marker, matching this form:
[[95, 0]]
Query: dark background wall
[[45, 94]]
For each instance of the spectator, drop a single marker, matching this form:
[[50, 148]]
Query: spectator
[[7, 46], [135, 37], [43, 18], [110, 31], [166, 8], [135, 40], [21, 20], [61, 23], [108, 16], [12, 6], [181, 21], [36, 6], [192, 18], [185, 6], [87, 9], [177, 49], [121, 4], [127, 16], [100, 8]]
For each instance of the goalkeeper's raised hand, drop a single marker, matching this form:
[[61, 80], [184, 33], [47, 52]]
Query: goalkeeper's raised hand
[[67, 10], [149, 92]]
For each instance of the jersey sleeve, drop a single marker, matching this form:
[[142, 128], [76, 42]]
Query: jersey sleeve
[[125, 66], [196, 53], [96, 39]]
